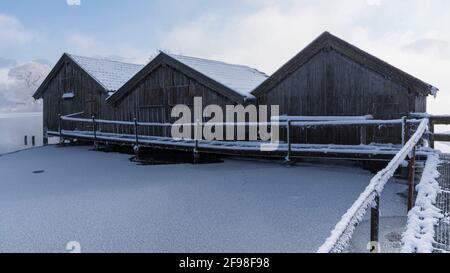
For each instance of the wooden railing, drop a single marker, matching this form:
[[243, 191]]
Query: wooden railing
[[435, 120], [283, 122], [370, 198]]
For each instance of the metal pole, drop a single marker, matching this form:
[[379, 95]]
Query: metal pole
[[25, 140], [45, 137], [288, 157], [136, 136], [60, 129], [196, 137], [94, 130], [411, 182], [136, 132], [403, 131], [375, 225], [363, 135], [33, 141], [432, 134]]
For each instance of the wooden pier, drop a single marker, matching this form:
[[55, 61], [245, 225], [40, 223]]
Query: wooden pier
[[285, 149]]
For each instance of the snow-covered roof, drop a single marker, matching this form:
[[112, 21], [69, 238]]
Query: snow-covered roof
[[239, 78], [110, 74]]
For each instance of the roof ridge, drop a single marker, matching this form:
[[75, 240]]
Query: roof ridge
[[217, 61], [103, 59]]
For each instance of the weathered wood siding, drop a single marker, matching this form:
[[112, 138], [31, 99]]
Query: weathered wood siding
[[331, 84], [70, 78], [153, 98]]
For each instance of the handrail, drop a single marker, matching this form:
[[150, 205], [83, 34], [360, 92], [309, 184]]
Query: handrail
[[252, 124], [320, 118], [420, 229], [342, 233]]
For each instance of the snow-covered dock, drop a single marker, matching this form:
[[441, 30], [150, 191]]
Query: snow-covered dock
[[52, 195], [249, 148]]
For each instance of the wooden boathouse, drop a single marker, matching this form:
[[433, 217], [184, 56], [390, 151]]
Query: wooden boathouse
[[329, 78], [109, 90]]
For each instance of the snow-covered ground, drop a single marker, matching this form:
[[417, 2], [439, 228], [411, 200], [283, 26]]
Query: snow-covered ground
[[50, 196]]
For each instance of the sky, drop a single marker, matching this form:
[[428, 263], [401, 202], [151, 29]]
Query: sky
[[410, 34]]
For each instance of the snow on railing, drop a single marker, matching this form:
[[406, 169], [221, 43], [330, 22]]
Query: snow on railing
[[426, 115], [422, 219], [342, 233], [321, 118], [293, 123]]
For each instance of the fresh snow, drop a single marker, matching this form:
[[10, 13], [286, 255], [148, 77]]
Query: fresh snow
[[321, 118], [110, 74], [239, 78], [422, 219], [110, 204]]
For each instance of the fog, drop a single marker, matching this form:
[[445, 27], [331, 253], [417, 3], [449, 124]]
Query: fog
[[14, 127]]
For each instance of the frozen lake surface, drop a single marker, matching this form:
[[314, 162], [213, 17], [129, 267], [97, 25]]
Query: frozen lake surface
[[13, 128], [50, 196]]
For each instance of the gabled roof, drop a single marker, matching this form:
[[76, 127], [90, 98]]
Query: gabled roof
[[233, 81], [240, 78], [327, 41], [110, 74]]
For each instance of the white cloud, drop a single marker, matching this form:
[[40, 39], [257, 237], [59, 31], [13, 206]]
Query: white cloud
[[11, 31], [17, 85], [80, 41], [411, 35], [374, 2], [73, 2]]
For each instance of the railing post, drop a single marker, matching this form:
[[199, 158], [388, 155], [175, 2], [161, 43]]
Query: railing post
[[136, 138], [196, 137], [363, 135], [60, 129], [25, 140], [375, 225], [403, 131], [33, 141], [432, 134], [45, 137], [94, 130], [411, 177], [289, 142]]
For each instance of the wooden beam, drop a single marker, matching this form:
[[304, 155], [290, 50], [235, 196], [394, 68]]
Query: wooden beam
[[411, 178], [375, 225], [441, 137], [432, 134], [440, 120]]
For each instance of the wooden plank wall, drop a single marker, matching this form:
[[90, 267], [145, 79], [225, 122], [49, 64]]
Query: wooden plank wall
[[153, 99], [331, 84], [70, 78]]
